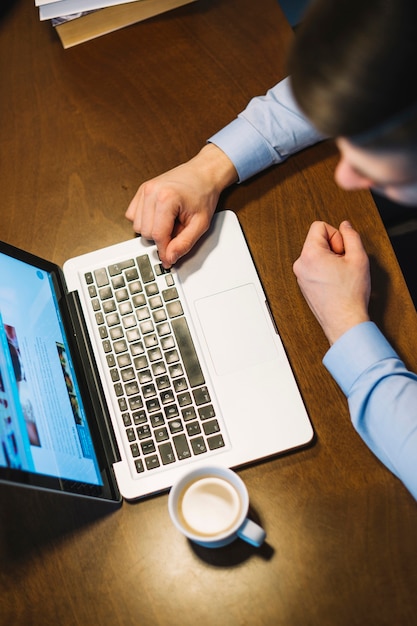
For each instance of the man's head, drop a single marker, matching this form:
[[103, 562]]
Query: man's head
[[353, 71]]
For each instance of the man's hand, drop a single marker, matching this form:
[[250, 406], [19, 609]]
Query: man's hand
[[333, 275], [176, 208]]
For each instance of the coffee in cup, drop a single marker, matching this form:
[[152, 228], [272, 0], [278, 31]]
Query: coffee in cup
[[209, 505]]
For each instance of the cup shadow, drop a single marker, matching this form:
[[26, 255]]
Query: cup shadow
[[235, 553]]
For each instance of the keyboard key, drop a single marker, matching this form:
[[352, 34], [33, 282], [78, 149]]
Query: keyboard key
[[167, 453], [188, 414], [206, 412], [129, 321], [124, 360], [125, 308], [140, 362], [112, 319], [215, 442], [105, 293], [180, 384], [150, 341], [167, 342], [152, 462], [170, 294], [132, 335], [115, 376], [211, 427], [182, 447], [130, 433], [131, 388], [135, 403], [155, 302], [127, 421], [184, 398], [103, 332], [174, 309], [159, 368], [135, 450], [139, 301], [128, 374], [122, 295], [155, 354], [161, 434], [117, 282], [109, 306], [120, 346], [157, 419], [167, 396], [163, 382], [148, 447], [159, 316], [139, 417], [145, 269], [117, 268], [101, 277], [188, 352], [107, 346], [151, 290], [201, 396], [144, 376], [131, 274], [116, 333], [198, 445], [135, 287], [153, 405], [171, 411], [139, 466], [137, 348], [118, 389], [193, 428], [148, 390], [143, 432], [175, 426]]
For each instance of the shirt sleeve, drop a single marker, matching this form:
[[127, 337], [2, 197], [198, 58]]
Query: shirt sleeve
[[382, 397], [270, 129]]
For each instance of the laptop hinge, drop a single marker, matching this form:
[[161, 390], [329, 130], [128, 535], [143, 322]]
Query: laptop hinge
[[84, 358]]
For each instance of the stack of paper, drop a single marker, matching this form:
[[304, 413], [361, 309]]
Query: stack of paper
[[77, 21]]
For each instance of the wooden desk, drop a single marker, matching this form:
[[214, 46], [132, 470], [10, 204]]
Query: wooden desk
[[80, 129]]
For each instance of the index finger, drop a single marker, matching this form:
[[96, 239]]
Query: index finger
[[326, 236]]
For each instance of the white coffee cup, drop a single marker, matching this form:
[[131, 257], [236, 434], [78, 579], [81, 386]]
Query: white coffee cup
[[209, 505]]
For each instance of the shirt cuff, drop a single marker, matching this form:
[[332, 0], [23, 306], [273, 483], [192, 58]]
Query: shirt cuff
[[356, 351], [245, 147]]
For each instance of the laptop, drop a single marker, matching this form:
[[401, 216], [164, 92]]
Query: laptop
[[117, 376]]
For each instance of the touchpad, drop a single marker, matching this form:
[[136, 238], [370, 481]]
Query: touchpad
[[236, 330]]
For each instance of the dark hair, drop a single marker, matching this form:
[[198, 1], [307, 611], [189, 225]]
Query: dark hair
[[353, 70]]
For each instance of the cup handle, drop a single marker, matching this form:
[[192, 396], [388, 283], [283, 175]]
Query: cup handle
[[252, 533]]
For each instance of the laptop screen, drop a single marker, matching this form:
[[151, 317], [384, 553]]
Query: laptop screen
[[43, 426]]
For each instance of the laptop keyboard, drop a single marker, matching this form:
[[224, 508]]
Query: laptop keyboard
[[166, 411]]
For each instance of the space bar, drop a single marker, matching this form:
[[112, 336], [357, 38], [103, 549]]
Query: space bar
[[189, 355]]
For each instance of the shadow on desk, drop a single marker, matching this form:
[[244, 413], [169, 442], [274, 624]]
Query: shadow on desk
[[30, 520], [232, 555], [235, 553], [401, 224]]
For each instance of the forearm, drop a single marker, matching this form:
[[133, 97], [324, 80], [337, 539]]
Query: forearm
[[382, 397], [270, 129]]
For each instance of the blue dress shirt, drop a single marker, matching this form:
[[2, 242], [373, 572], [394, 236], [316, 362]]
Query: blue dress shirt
[[381, 392], [269, 130]]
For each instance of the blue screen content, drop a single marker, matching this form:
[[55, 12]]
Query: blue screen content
[[43, 426]]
